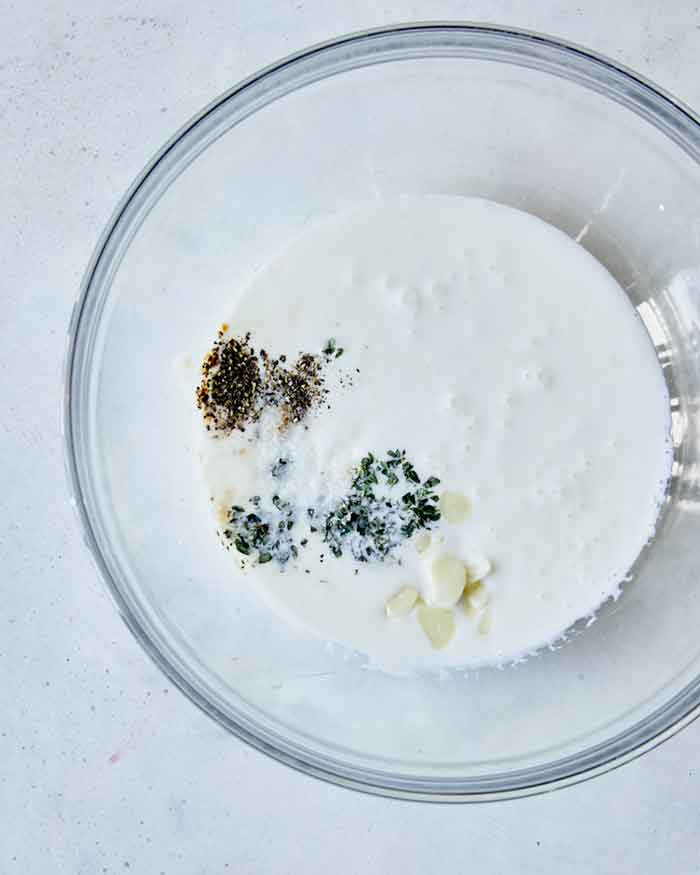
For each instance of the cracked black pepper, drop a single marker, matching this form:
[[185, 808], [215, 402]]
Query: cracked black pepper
[[238, 384]]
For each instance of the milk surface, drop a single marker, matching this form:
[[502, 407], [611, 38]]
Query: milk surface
[[507, 362]]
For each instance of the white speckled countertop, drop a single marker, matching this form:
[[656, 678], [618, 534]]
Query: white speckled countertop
[[104, 768]]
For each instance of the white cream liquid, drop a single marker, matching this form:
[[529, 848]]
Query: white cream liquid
[[507, 362]]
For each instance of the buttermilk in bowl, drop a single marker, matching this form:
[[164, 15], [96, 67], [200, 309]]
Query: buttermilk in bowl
[[434, 431]]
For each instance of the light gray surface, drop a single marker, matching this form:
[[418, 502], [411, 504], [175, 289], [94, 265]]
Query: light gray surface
[[104, 767]]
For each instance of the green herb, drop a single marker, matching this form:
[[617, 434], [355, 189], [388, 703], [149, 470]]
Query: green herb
[[371, 521], [409, 472], [242, 545], [385, 504], [279, 469], [332, 350], [262, 533]]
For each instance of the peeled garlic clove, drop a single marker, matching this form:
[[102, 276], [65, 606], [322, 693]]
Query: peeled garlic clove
[[484, 626], [438, 624], [422, 542], [448, 579], [401, 603], [476, 594], [478, 567], [454, 507], [469, 608]]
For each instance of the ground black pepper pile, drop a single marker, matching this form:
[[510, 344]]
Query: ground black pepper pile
[[295, 390], [238, 384], [231, 383]]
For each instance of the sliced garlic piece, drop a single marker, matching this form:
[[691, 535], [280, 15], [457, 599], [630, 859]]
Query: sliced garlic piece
[[448, 580], [438, 624], [484, 626], [402, 602], [422, 542], [476, 594], [454, 507], [469, 609], [478, 567]]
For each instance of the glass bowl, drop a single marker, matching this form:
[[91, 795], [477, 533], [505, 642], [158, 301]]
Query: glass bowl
[[435, 108]]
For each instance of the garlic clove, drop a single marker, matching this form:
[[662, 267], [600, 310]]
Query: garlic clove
[[449, 577], [454, 507], [478, 567], [469, 609], [476, 594], [438, 625], [484, 626], [422, 542], [402, 602]]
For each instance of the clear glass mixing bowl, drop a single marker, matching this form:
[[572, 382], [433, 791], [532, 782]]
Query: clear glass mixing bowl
[[458, 109]]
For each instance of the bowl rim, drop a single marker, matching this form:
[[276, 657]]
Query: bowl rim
[[585, 764]]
